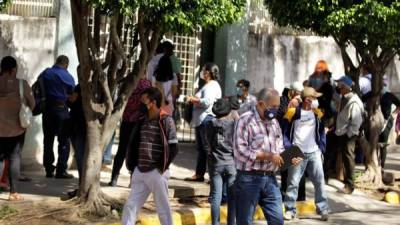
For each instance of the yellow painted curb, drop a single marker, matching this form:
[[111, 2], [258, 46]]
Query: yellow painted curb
[[392, 197], [203, 215]]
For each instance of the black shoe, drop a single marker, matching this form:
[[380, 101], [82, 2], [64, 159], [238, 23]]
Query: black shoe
[[64, 175], [113, 183], [73, 194], [50, 172]]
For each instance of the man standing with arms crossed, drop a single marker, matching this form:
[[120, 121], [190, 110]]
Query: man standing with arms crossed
[[258, 143]]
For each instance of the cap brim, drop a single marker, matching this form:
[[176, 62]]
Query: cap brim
[[317, 94]]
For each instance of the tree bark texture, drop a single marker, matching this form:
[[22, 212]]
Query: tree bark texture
[[101, 79]]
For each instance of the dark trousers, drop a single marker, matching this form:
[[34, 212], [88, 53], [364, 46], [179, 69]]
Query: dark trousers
[[10, 148], [55, 123], [125, 132], [302, 186], [202, 147], [347, 146], [78, 141], [383, 138]]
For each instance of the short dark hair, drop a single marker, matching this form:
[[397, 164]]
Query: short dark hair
[[8, 63], [153, 94], [245, 83], [62, 60], [168, 46], [213, 69]]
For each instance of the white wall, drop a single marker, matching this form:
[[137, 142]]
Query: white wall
[[31, 41]]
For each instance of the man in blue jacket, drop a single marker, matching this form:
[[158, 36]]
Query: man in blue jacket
[[59, 85], [303, 128]]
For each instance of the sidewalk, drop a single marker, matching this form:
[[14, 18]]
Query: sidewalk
[[189, 210]]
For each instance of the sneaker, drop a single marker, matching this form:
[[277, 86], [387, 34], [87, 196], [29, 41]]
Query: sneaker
[[325, 217], [346, 190], [289, 216]]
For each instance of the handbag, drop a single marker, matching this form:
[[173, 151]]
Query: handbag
[[25, 113]]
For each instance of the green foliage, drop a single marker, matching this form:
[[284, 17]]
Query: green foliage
[[4, 4], [369, 24], [179, 15], [7, 211]]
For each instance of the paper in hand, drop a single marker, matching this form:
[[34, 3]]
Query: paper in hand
[[289, 154]]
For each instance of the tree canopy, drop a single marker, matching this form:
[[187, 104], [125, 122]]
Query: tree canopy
[[371, 26], [178, 15]]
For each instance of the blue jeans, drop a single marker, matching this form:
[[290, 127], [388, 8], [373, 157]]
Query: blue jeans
[[219, 174], [312, 163], [202, 147], [258, 189]]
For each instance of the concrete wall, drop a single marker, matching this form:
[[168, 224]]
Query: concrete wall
[[275, 61], [32, 42], [278, 60]]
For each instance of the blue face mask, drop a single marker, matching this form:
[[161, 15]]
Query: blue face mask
[[239, 91], [270, 114]]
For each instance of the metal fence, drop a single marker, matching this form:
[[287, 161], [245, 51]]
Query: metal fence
[[187, 49], [32, 8]]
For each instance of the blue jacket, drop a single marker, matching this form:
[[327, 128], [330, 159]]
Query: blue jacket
[[293, 114], [58, 83]]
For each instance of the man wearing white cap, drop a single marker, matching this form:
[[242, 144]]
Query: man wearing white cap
[[348, 123]]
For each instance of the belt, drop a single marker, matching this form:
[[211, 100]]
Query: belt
[[257, 172]]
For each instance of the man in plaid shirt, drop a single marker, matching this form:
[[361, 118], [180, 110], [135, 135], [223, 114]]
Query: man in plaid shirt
[[258, 143]]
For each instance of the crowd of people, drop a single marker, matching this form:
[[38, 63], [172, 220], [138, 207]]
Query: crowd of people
[[241, 139]]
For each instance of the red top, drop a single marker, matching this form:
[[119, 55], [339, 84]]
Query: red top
[[131, 113]]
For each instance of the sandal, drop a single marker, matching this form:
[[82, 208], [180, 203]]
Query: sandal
[[195, 178], [14, 197]]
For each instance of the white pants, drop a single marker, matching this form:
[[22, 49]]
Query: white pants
[[141, 186]]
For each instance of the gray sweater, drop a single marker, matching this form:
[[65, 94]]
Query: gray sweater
[[220, 139], [350, 117]]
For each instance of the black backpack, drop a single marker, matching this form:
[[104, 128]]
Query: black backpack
[[40, 96]]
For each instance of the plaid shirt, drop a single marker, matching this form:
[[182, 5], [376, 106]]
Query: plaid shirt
[[252, 135]]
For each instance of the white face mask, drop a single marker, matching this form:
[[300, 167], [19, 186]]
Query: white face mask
[[314, 104]]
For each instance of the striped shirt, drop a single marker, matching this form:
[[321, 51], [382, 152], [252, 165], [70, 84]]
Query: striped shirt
[[151, 146], [252, 135]]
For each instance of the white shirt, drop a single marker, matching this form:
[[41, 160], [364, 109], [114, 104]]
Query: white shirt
[[151, 67], [365, 84], [304, 132], [208, 94]]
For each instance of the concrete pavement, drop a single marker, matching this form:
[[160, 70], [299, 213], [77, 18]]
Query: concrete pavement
[[346, 209]]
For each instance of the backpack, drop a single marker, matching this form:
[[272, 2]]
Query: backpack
[[40, 96]]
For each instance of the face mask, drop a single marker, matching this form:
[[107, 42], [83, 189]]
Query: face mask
[[143, 108], [202, 75], [270, 114], [239, 91], [314, 104]]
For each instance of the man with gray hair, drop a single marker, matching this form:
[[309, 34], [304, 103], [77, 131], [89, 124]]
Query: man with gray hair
[[59, 84], [258, 144]]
